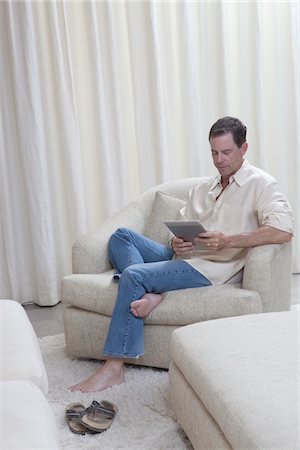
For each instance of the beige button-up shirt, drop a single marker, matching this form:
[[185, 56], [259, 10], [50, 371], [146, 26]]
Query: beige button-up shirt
[[251, 199]]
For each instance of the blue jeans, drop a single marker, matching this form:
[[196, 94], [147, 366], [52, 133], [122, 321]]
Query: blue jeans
[[143, 266]]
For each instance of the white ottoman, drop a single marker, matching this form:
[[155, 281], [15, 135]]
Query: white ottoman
[[233, 382]]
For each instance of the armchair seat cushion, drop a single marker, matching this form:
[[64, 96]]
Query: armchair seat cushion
[[97, 293]]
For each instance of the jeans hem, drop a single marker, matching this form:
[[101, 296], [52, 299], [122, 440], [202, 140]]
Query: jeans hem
[[120, 355]]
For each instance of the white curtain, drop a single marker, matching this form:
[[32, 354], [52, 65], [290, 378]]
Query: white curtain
[[102, 100]]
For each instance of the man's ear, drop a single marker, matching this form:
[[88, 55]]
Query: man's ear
[[244, 148]]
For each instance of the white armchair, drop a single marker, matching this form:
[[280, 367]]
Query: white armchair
[[90, 291]]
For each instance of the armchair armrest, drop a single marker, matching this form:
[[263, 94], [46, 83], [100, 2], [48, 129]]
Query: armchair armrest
[[89, 252], [268, 271]]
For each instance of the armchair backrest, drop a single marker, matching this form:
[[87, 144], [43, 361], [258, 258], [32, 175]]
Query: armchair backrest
[[89, 253]]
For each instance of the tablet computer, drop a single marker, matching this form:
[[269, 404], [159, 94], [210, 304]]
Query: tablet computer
[[187, 230]]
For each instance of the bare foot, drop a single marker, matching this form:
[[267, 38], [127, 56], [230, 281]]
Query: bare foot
[[142, 307], [111, 373]]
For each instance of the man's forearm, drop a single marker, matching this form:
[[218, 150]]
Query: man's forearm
[[262, 236]]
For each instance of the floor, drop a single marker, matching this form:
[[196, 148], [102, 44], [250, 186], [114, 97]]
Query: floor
[[48, 320]]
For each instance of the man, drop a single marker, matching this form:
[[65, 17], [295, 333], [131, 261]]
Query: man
[[242, 207]]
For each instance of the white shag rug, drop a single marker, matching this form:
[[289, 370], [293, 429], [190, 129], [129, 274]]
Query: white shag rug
[[144, 420]]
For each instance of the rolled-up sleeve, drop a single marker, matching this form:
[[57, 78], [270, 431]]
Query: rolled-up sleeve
[[273, 208]]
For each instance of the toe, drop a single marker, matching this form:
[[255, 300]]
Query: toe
[[134, 312]]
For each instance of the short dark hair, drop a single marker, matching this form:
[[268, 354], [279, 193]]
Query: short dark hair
[[229, 125]]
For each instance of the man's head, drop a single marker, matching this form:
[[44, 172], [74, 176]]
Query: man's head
[[227, 139], [229, 125]]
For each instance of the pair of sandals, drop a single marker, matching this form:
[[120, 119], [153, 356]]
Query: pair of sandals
[[96, 418]]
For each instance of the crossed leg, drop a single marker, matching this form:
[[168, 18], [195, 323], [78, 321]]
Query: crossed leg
[[172, 275]]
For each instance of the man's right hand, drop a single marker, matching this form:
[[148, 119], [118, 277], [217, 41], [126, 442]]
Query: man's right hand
[[181, 247]]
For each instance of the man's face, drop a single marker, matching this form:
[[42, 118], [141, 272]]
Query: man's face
[[227, 156]]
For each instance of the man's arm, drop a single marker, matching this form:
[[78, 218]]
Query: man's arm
[[215, 240]]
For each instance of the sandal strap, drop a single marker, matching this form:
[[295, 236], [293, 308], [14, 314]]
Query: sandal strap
[[103, 408], [77, 414], [73, 414], [73, 410]]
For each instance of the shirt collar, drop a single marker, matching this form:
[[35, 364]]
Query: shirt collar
[[240, 177]]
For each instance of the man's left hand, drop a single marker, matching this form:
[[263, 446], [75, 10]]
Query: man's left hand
[[213, 240]]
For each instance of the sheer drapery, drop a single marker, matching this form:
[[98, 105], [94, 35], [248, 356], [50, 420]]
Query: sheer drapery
[[102, 100]]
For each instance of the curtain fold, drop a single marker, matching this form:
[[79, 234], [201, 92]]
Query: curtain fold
[[43, 205], [103, 100]]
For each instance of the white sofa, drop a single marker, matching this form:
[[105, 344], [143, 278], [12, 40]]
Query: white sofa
[[90, 291], [26, 418]]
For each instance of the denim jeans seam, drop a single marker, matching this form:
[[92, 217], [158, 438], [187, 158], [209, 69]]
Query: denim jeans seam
[[129, 317], [158, 274]]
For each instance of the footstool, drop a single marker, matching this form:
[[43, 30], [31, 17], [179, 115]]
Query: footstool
[[233, 382]]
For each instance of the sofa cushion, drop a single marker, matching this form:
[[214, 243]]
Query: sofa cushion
[[165, 207], [26, 418], [244, 371], [21, 357], [97, 293]]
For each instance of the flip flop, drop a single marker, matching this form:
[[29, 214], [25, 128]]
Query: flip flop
[[100, 416], [73, 417]]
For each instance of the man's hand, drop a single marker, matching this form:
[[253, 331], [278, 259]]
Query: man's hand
[[180, 246], [213, 240]]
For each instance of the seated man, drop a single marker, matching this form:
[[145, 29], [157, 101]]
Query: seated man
[[242, 207]]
